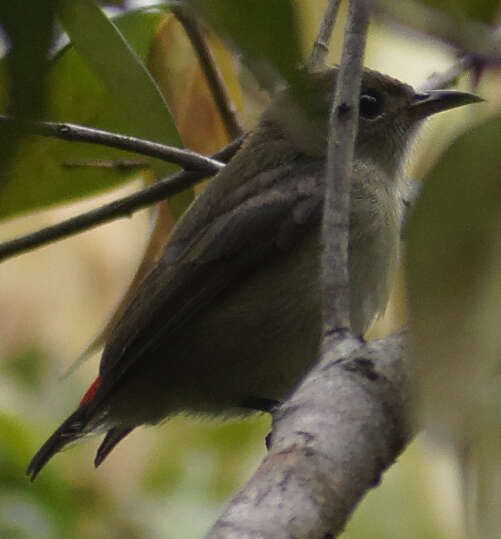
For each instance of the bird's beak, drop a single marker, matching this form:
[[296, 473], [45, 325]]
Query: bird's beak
[[427, 103]]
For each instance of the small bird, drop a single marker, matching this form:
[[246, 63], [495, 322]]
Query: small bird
[[230, 318]]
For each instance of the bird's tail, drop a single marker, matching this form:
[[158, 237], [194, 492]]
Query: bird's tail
[[70, 431], [111, 439]]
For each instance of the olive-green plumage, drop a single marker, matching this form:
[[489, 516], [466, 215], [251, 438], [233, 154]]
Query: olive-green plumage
[[229, 318]]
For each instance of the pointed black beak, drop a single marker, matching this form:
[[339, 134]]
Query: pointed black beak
[[427, 103]]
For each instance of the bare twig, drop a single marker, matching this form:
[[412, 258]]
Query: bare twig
[[342, 132], [463, 34], [186, 159], [117, 164], [212, 74], [467, 62], [122, 207], [321, 45]]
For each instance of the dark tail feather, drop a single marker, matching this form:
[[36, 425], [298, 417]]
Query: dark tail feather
[[72, 429], [111, 439]]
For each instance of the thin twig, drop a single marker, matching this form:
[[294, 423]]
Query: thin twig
[[321, 45], [117, 164], [210, 69], [342, 131], [123, 207], [467, 62], [186, 159], [462, 34]]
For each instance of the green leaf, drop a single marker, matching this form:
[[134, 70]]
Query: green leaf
[[484, 10], [127, 79], [28, 29], [104, 49], [26, 367], [261, 30], [454, 278], [52, 503], [37, 176]]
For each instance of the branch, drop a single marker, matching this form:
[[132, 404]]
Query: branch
[[340, 430], [210, 69], [342, 132], [116, 164], [186, 159], [467, 62], [122, 207], [347, 421], [321, 45], [463, 34]]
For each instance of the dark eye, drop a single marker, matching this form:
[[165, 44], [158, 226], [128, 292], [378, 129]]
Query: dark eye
[[370, 106]]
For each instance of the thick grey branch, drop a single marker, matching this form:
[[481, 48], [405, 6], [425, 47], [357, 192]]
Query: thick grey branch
[[331, 441], [347, 421]]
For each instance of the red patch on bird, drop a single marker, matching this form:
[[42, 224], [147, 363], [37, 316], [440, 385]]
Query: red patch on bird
[[89, 394]]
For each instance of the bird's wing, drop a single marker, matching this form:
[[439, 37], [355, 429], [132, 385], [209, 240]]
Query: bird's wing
[[232, 244]]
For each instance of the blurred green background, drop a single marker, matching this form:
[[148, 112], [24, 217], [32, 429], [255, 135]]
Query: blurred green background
[[172, 480]]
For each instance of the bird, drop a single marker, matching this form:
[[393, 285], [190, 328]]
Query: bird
[[229, 319]]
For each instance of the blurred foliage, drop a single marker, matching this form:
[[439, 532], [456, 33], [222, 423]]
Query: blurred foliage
[[29, 32], [467, 26], [276, 42], [455, 243], [39, 177], [484, 10], [171, 481], [27, 368], [274, 49]]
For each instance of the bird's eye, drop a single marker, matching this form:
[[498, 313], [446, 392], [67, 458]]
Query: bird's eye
[[370, 106]]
